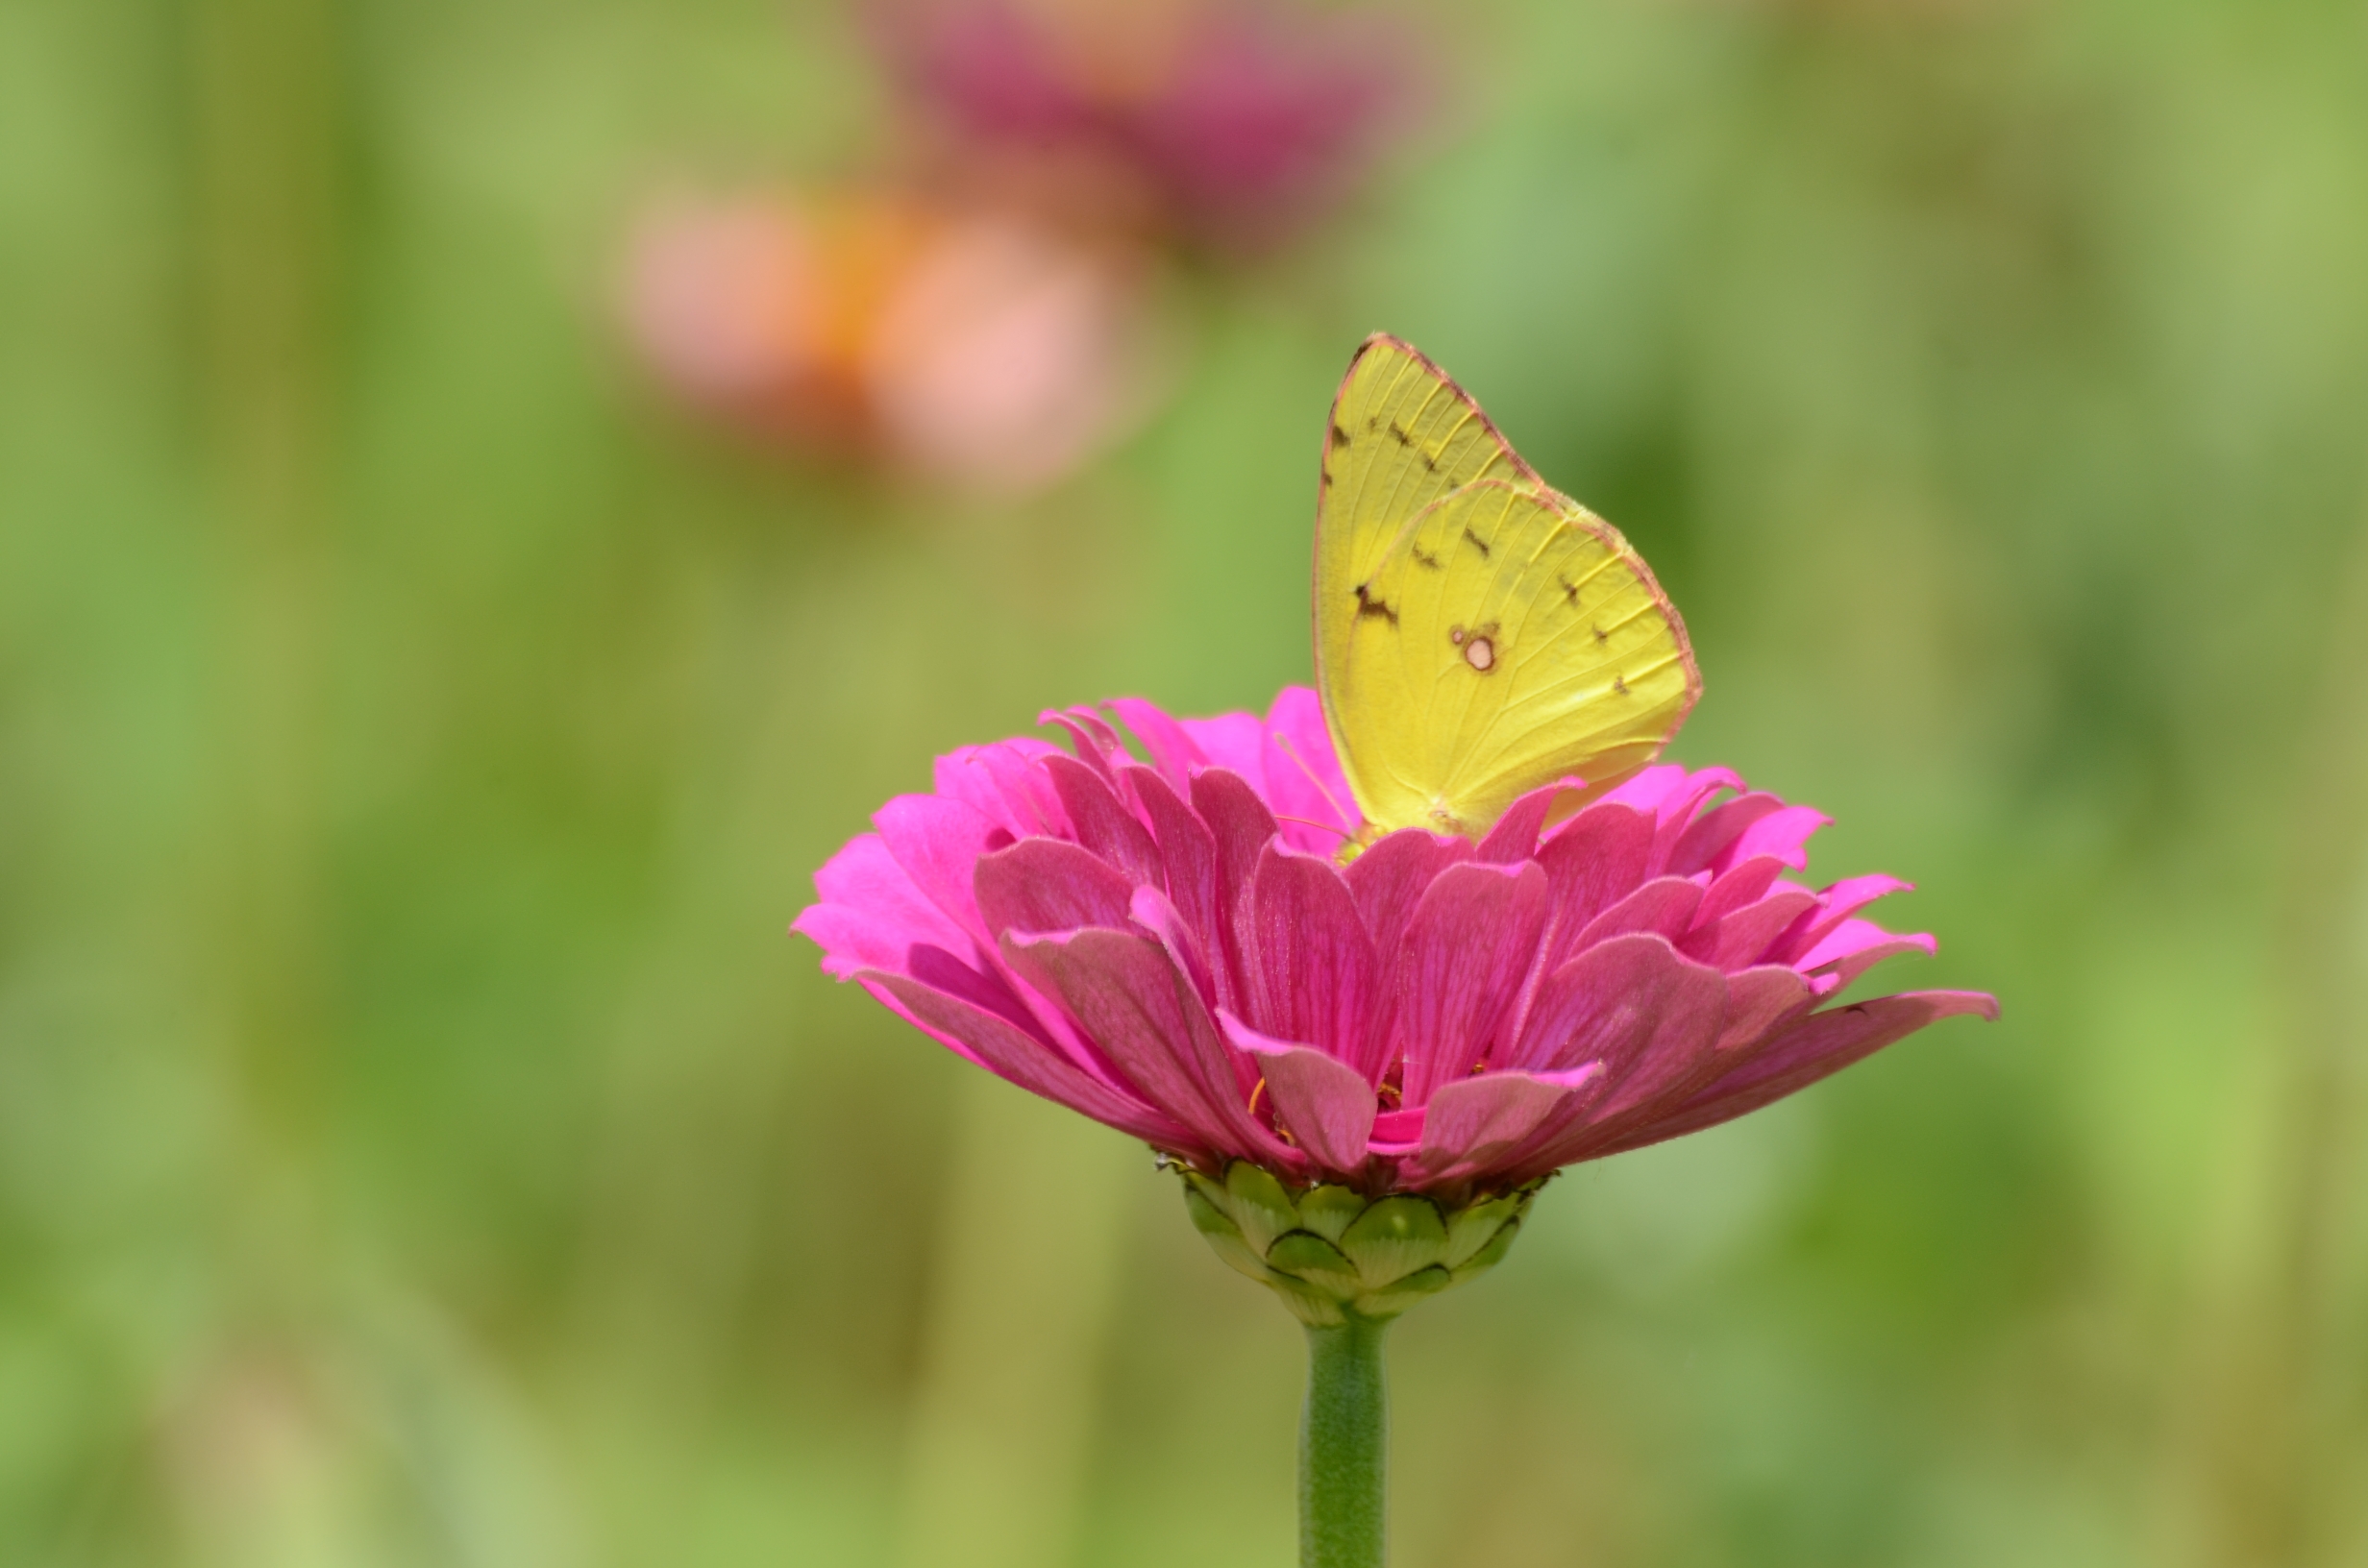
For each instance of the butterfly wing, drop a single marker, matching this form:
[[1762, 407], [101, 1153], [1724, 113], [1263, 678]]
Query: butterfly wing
[[1402, 436], [1507, 638]]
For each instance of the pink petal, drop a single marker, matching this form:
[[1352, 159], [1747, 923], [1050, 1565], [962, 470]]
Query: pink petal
[[1171, 749], [1665, 905], [855, 939], [1236, 742], [1760, 999], [1847, 937], [1090, 736], [1312, 963], [1387, 878], [1847, 970], [1705, 844], [1050, 885], [1003, 784], [1154, 912], [1242, 826], [1674, 802], [1837, 904], [1327, 1105], [1466, 946], [1591, 862], [1013, 1055], [1189, 850], [1146, 1016], [883, 911], [1397, 1132], [939, 842], [1621, 1002], [1473, 1121], [1816, 1047], [1102, 823], [1304, 778], [1745, 882], [1740, 938], [1514, 837], [1783, 834], [1647, 790]]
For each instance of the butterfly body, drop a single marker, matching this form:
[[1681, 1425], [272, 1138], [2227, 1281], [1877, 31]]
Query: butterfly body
[[1479, 634]]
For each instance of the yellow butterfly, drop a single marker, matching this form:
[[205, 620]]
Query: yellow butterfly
[[1479, 633]]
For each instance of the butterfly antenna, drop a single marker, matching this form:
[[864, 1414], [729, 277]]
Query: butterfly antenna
[[1327, 827], [1292, 752]]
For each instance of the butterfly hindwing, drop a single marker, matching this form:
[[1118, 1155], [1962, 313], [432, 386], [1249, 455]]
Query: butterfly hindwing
[[1477, 633], [1516, 639]]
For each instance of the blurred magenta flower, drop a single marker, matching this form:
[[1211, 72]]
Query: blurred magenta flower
[[1174, 948], [1223, 123], [973, 347]]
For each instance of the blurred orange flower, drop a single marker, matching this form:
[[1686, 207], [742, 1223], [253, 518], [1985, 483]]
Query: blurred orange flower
[[966, 345]]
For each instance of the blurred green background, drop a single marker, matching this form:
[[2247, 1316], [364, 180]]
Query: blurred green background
[[419, 1144]]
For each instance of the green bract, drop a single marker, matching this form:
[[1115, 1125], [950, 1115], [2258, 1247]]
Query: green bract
[[1333, 1253]]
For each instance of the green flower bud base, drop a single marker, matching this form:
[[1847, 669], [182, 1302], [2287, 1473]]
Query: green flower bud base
[[1345, 1264], [1336, 1257]]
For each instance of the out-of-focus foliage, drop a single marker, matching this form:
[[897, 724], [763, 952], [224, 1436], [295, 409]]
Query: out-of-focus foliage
[[419, 1144]]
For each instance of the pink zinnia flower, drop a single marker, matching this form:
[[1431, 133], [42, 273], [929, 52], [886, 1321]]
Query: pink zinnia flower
[[1224, 122], [1174, 948]]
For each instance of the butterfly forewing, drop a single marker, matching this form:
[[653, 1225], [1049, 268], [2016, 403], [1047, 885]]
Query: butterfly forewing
[[1520, 640], [1402, 436]]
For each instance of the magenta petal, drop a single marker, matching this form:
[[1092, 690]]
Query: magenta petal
[[1760, 999], [1303, 779], [1154, 912], [1399, 1132], [1313, 966], [1171, 749], [1467, 946], [1745, 882], [938, 842], [1591, 862], [1101, 822], [1836, 904], [1707, 841], [1388, 879], [1675, 812], [1783, 834], [1620, 1002], [1133, 1002], [1741, 938], [1327, 1104], [1241, 827], [1648, 790], [1016, 1057], [1846, 971], [1816, 1047], [1090, 735], [1665, 906], [1475, 1121], [1002, 783], [1236, 742], [853, 940], [1514, 837], [1189, 850], [882, 910], [1050, 885]]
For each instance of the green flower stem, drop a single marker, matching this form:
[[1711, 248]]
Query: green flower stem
[[1345, 1448]]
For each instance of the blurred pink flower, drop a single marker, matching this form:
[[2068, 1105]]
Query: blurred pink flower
[[1222, 122], [1175, 949], [974, 347]]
